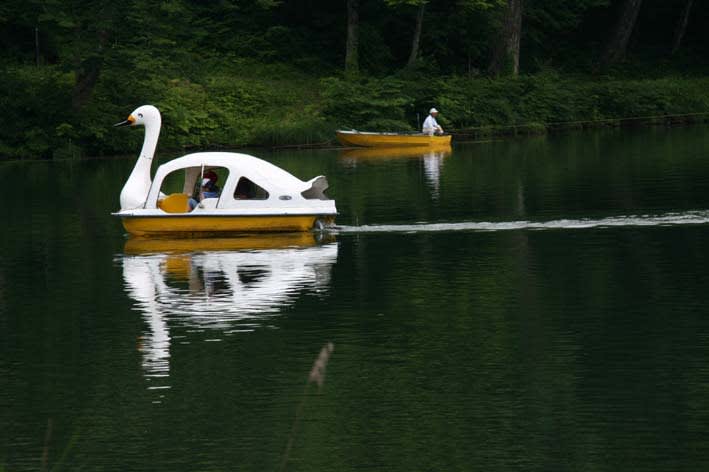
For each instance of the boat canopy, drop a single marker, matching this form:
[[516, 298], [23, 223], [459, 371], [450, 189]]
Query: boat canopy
[[276, 181]]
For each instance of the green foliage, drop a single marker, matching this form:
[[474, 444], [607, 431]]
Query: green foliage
[[233, 73], [246, 107], [397, 3], [215, 112], [367, 103], [546, 17], [36, 115], [549, 100], [299, 129]]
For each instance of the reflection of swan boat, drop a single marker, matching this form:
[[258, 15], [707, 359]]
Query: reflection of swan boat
[[244, 242], [393, 152], [371, 139], [255, 196], [220, 289]]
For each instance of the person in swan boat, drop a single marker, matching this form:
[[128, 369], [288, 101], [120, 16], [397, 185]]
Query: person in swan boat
[[209, 188]]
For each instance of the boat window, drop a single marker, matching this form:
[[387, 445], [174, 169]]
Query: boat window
[[172, 183], [208, 183], [182, 190], [317, 189], [248, 190]]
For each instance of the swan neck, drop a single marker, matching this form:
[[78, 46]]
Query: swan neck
[[150, 142], [135, 191]]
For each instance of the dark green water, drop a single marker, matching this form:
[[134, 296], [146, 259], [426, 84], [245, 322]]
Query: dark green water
[[536, 304]]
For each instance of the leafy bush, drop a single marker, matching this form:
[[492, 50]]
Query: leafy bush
[[301, 130], [36, 114], [550, 100], [238, 103], [376, 104]]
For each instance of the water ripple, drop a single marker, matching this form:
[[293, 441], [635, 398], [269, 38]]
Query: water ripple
[[665, 219]]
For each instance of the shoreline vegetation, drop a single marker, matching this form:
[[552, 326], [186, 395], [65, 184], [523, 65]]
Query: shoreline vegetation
[[492, 67], [303, 112]]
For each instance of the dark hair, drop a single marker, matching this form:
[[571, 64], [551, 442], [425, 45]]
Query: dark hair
[[211, 175]]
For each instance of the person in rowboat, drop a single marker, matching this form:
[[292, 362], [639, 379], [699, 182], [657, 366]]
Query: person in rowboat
[[430, 125]]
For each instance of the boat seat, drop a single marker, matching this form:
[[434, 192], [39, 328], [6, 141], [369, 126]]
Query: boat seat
[[208, 203], [175, 203]]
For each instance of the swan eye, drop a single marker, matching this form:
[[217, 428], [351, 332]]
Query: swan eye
[[140, 115]]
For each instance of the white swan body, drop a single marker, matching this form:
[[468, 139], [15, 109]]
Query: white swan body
[[136, 189]]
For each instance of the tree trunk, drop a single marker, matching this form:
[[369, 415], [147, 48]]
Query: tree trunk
[[87, 72], [36, 45], [682, 26], [618, 44], [417, 37], [85, 79], [505, 56], [351, 56]]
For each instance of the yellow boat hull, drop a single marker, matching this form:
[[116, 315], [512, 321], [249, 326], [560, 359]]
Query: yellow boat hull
[[390, 139], [219, 225]]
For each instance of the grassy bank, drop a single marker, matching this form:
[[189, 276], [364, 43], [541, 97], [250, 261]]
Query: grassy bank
[[249, 104]]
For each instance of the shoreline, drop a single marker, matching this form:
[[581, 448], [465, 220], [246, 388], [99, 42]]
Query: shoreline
[[459, 136]]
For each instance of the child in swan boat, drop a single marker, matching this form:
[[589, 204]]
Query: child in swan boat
[[209, 189]]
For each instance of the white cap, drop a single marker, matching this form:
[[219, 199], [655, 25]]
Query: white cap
[[205, 182], [432, 110]]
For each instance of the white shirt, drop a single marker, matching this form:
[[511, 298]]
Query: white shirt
[[430, 125]]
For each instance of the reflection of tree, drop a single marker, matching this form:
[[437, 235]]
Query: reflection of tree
[[524, 344], [497, 351], [398, 189], [540, 178]]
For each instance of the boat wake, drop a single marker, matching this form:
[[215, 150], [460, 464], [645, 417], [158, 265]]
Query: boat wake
[[665, 219]]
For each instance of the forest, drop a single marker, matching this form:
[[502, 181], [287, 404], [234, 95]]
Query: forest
[[233, 73]]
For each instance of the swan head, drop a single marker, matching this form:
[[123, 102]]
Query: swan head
[[145, 115]]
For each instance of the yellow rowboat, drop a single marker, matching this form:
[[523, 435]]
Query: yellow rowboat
[[370, 139], [184, 200]]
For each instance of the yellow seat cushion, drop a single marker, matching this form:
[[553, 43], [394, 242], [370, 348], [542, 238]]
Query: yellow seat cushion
[[174, 203]]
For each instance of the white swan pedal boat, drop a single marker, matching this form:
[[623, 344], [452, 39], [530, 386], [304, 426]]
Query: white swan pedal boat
[[253, 195]]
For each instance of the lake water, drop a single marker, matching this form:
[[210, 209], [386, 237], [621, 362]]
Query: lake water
[[529, 304]]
